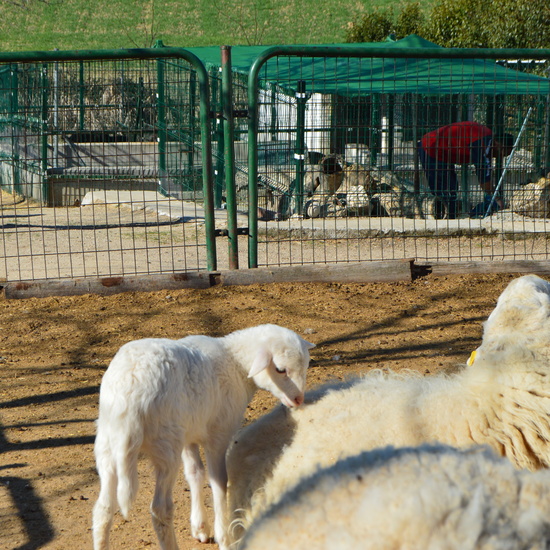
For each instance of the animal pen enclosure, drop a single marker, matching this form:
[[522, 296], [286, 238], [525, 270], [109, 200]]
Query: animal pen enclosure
[[176, 161]]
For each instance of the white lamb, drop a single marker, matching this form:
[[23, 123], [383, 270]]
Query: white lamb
[[502, 400], [167, 398], [431, 497]]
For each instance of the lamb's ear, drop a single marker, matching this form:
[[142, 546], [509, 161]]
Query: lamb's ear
[[261, 361], [308, 345]]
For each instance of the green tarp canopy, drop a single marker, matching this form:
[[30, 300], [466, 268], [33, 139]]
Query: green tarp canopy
[[361, 76]]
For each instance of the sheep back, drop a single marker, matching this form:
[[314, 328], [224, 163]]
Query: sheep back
[[383, 408], [428, 497], [501, 400], [173, 386]]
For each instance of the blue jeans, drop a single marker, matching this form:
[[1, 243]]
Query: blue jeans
[[442, 180]]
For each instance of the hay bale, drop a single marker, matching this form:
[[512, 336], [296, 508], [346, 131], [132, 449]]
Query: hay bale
[[401, 203], [358, 201], [356, 176], [533, 199]]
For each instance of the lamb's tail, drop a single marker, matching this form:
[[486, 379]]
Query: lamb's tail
[[126, 460], [117, 451]]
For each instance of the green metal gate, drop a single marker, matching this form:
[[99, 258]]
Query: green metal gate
[[105, 164], [133, 162], [355, 188]]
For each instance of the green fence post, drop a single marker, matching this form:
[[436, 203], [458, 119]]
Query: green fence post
[[416, 135], [219, 135], [274, 123], [192, 105], [253, 165], [207, 179], [44, 134], [161, 114], [14, 107], [81, 89], [229, 156], [300, 147]]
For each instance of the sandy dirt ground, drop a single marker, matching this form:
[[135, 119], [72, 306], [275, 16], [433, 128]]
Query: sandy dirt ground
[[54, 351], [147, 237]]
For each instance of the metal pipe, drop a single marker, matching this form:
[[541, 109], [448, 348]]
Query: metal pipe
[[300, 146], [229, 155], [253, 162], [508, 160]]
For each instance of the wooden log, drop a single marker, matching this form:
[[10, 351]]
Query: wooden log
[[506, 266], [362, 272], [106, 285]]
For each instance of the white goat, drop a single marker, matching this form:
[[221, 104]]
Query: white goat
[[167, 398], [502, 400], [431, 497]]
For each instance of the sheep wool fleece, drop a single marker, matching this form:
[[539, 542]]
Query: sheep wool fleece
[[501, 400]]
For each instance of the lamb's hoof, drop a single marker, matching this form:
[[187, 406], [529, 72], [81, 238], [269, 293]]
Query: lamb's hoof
[[201, 533]]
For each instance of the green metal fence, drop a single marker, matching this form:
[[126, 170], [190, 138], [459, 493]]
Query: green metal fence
[[356, 189], [105, 164], [166, 160]]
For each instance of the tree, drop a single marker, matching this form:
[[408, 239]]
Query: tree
[[410, 20], [462, 24], [458, 24], [374, 26], [520, 24], [378, 24]]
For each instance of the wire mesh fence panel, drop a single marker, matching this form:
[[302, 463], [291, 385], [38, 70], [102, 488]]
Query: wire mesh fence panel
[[354, 153], [366, 157], [101, 169]]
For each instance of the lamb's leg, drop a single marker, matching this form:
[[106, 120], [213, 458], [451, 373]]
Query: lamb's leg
[[195, 475], [162, 507], [217, 471], [106, 505], [104, 510]]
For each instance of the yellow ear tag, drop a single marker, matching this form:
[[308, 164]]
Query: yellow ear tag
[[472, 358]]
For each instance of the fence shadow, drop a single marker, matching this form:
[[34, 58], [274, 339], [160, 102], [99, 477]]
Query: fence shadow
[[36, 527]]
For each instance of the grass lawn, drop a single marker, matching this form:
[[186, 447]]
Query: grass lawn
[[85, 24]]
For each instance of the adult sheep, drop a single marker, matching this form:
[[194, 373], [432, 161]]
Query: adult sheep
[[430, 497], [502, 400], [167, 398]]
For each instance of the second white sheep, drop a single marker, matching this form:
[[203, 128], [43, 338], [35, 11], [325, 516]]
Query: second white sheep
[[431, 497], [501, 400]]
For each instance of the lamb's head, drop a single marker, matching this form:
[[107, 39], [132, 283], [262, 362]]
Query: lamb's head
[[280, 363], [518, 329]]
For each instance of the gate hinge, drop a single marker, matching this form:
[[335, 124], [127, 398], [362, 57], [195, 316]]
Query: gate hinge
[[225, 232], [237, 113]]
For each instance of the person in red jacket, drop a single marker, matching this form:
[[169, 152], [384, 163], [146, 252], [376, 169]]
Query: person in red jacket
[[462, 143]]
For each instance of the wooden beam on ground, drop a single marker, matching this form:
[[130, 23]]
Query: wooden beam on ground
[[106, 285], [362, 272], [467, 268]]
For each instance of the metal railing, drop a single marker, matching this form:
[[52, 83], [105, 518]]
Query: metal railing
[[104, 156], [358, 191], [136, 162]]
